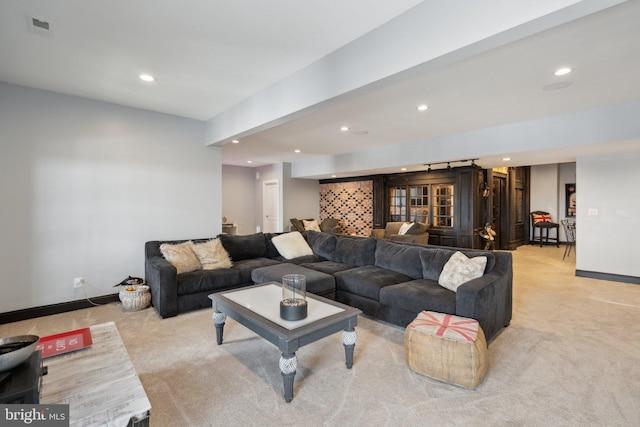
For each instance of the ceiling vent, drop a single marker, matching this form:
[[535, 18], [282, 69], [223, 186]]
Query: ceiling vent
[[39, 26]]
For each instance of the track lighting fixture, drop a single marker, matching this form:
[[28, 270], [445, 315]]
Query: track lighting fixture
[[449, 167]]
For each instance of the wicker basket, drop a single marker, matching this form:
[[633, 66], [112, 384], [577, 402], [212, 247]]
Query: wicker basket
[[135, 297]]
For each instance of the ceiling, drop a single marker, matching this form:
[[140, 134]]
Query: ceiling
[[209, 56]]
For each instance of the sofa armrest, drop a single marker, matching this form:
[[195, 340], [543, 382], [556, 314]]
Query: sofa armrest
[[377, 233], [161, 277], [488, 299], [421, 238]]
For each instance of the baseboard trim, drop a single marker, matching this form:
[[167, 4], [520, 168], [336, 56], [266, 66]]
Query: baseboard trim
[[63, 307], [608, 276]]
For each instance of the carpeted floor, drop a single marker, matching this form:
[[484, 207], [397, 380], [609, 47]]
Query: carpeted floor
[[571, 357]]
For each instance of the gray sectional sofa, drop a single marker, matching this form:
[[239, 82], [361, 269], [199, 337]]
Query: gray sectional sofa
[[387, 280]]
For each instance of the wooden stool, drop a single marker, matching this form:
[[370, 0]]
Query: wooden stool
[[447, 348]]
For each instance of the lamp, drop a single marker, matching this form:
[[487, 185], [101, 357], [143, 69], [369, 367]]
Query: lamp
[[293, 305]]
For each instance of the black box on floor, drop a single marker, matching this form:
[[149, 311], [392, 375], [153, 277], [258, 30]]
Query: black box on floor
[[22, 383]]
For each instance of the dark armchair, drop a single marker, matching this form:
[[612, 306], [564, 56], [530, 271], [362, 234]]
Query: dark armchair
[[327, 225], [417, 233]]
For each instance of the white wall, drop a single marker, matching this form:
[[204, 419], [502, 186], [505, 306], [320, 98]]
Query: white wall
[[607, 242], [544, 191], [566, 175], [301, 198], [84, 184], [238, 197]]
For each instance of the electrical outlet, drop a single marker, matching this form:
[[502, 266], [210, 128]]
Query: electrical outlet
[[78, 282]]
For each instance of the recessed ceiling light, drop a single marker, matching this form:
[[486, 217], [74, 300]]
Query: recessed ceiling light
[[235, 141], [423, 107], [344, 128], [333, 176], [147, 78], [403, 169], [562, 71], [506, 159], [249, 161], [296, 151]]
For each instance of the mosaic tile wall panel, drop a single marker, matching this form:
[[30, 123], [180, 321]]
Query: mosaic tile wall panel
[[352, 202]]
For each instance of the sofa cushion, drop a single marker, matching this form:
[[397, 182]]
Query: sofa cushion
[[461, 269], [367, 281], [316, 282], [400, 258], [291, 245], [434, 259], [329, 267], [246, 266], [417, 228], [244, 247], [355, 251], [322, 244], [207, 281], [212, 255], [418, 295], [272, 252], [301, 259], [181, 256]]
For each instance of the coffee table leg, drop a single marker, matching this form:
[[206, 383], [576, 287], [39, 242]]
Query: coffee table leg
[[218, 321], [349, 337], [288, 364]]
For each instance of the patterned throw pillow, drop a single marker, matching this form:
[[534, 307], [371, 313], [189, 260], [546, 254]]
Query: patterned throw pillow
[[460, 269], [541, 218], [212, 255], [181, 256]]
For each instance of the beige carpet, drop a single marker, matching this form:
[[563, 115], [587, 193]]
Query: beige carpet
[[571, 357]]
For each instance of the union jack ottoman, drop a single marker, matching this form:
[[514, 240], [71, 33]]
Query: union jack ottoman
[[447, 348]]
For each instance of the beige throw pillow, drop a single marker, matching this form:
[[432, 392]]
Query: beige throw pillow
[[404, 228], [460, 269], [291, 245], [311, 225], [181, 256], [212, 255]]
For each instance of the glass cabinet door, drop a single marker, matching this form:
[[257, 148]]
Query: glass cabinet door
[[398, 204], [419, 204], [443, 205]]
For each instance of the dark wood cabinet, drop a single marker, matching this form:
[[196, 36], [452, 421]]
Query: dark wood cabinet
[[449, 200], [456, 203]]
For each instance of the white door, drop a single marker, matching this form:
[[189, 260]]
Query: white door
[[270, 207]]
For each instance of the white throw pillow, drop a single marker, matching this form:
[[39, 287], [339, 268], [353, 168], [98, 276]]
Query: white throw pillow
[[291, 245], [311, 225], [404, 228], [181, 256], [460, 269], [212, 255]]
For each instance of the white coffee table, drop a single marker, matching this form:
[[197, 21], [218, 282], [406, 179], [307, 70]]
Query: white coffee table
[[99, 383], [258, 308]]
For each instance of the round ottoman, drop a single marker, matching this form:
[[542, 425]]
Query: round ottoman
[[447, 348]]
